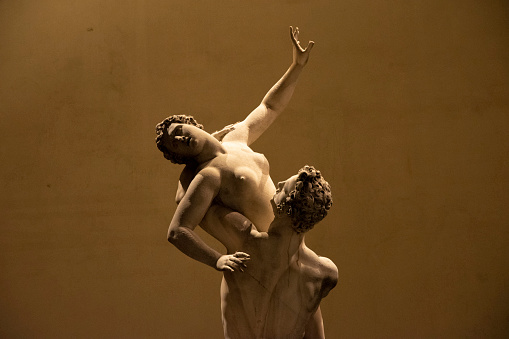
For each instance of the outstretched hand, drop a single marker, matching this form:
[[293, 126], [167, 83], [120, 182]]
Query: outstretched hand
[[232, 262], [300, 55]]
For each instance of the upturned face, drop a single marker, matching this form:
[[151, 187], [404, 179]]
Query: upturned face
[[284, 188], [185, 140]]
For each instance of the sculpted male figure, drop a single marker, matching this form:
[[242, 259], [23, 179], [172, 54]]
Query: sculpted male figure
[[279, 292], [227, 173]]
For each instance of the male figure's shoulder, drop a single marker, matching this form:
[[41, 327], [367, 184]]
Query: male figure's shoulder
[[328, 267], [322, 269], [330, 275]]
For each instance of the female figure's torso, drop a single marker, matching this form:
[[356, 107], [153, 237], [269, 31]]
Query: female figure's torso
[[246, 185]]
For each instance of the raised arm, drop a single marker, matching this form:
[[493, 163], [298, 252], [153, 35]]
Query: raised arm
[[190, 211], [276, 99]]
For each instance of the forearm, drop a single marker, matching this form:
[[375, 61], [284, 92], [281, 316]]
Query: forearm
[[188, 242], [281, 93], [278, 97], [314, 328]]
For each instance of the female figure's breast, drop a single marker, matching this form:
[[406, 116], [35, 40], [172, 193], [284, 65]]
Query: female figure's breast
[[246, 187]]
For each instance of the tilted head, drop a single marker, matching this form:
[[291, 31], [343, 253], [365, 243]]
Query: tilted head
[[164, 144], [305, 198]]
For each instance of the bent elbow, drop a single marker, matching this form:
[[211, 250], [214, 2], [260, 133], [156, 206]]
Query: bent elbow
[[172, 236], [179, 235]]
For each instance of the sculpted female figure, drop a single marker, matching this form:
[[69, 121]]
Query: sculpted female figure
[[227, 173]]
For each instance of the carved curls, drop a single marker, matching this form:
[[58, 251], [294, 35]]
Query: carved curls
[[161, 130], [309, 202]]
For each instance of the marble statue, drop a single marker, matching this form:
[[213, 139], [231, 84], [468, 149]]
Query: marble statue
[[225, 183], [228, 172]]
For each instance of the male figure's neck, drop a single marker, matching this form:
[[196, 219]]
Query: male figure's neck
[[284, 236]]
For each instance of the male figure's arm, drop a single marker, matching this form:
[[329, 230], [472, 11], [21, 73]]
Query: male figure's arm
[[231, 228], [314, 328], [329, 272], [190, 211], [276, 100]]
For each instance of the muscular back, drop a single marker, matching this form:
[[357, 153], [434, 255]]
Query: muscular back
[[278, 293], [297, 295]]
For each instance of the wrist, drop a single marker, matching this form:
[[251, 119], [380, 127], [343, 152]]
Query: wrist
[[217, 262]]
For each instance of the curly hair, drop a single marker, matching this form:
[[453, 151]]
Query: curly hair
[[309, 202], [161, 130]]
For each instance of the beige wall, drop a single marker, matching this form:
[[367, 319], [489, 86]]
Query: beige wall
[[404, 107]]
